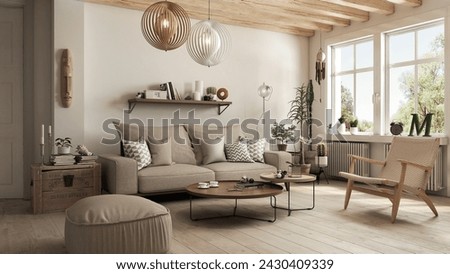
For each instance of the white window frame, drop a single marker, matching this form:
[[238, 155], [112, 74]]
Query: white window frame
[[354, 71], [416, 62]]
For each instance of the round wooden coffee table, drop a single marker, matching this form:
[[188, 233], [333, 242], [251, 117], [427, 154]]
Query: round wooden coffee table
[[230, 190], [287, 180]]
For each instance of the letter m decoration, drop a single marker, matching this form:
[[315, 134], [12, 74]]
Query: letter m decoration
[[415, 124]]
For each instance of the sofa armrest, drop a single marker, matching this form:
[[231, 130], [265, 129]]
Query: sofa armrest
[[278, 159], [119, 174]]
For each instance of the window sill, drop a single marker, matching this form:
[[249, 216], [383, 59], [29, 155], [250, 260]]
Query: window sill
[[371, 138]]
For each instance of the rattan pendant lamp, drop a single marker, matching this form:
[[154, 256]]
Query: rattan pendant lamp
[[165, 25], [209, 42]]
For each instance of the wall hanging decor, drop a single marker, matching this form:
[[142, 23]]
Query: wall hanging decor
[[209, 42], [222, 93], [66, 78], [165, 25]]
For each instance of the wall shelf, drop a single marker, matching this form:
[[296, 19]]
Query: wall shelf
[[221, 105]]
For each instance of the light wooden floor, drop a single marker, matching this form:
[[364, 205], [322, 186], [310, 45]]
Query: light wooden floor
[[364, 227]]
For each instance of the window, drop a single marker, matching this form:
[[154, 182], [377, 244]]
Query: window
[[352, 78], [413, 81], [415, 74]]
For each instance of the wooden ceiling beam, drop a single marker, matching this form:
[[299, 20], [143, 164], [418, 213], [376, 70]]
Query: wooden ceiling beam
[[376, 6], [298, 17], [411, 3]]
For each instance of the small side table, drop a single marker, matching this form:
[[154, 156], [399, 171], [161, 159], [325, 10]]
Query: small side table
[[287, 180], [55, 188]]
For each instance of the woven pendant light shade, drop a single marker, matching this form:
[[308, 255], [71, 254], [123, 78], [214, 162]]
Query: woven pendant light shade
[[209, 42], [165, 25]]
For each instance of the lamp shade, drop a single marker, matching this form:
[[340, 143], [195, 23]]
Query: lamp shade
[[165, 25], [265, 91], [208, 43]]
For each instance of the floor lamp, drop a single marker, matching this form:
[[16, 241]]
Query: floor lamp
[[265, 92]]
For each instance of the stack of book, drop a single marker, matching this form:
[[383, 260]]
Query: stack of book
[[62, 159], [85, 160]]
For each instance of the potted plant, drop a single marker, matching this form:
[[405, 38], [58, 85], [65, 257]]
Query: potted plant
[[63, 145], [354, 126], [283, 134], [299, 113], [341, 126]]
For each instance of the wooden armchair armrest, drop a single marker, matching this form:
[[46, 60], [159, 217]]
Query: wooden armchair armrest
[[406, 162], [365, 159]]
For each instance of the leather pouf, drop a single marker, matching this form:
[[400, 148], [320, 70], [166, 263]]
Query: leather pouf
[[117, 224]]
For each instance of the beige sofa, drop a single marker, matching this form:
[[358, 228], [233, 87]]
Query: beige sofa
[[190, 158]]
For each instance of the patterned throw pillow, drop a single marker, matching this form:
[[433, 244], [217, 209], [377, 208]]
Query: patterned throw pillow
[[256, 149], [237, 152], [138, 151]]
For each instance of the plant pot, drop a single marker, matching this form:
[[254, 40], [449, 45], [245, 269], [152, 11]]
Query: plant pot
[[341, 128], [300, 169], [282, 147], [63, 150], [354, 130]]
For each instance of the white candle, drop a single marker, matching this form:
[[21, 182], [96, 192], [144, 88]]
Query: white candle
[[42, 134], [50, 129], [199, 86]]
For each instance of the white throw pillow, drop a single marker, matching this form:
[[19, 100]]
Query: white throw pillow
[[238, 152], [213, 152], [138, 151]]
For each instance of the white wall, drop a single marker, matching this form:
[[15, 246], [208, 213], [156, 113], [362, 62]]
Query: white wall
[[118, 62]]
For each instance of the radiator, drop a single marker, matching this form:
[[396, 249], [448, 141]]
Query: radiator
[[338, 159], [436, 179]]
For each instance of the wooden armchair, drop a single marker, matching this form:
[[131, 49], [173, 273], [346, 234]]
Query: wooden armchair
[[407, 169]]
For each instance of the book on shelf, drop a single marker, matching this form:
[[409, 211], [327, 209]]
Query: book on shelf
[[172, 91]]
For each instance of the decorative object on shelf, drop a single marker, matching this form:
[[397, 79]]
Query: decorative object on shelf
[[320, 62], [396, 128], [66, 78], [265, 92], [426, 123], [197, 96], [63, 145], [209, 42], [210, 94], [354, 126], [222, 93], [283, 134], [155, 94], [165, 25]]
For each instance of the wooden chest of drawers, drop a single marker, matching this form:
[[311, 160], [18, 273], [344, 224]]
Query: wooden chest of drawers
[[55, 188]]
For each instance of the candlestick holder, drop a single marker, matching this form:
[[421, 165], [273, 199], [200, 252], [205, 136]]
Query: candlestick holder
[[42, 154]]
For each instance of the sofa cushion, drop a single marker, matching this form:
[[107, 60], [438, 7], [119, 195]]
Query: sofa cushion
[[235, 170], [161, 153], [213, 151], [256, 149], [237, 152], [154, 179], [138, 151], [182, 151]]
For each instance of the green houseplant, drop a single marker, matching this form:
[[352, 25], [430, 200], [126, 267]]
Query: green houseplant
[[283, 134], [299, 112], [63, 145]]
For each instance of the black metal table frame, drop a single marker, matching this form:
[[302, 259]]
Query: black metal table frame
[[288, 208], [274, 206]]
